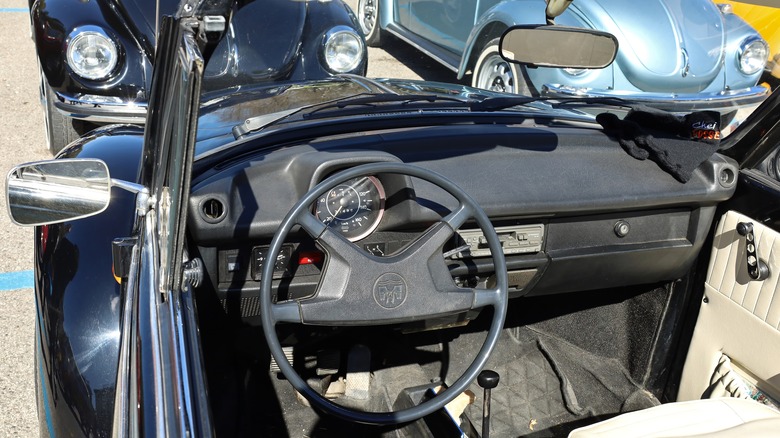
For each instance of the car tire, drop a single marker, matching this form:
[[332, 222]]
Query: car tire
[[368, 18], [492, 72], [60, 129]]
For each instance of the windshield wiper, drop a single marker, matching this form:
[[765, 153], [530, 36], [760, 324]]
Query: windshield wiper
[[372, 100], [254, 124], [500, 103], [258, 123]]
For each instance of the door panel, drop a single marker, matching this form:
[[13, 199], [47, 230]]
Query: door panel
[[738, 328], [446, 23]]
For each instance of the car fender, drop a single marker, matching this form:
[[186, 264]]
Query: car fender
[[387, 13], [493, 22], [709, 67], [53, 21], [321, 17], [508, 13], [737, 30], [78, 301]]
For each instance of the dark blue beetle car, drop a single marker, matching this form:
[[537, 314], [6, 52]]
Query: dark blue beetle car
[[96, 57]]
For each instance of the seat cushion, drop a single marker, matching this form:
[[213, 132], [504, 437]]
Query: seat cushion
[[721, 417]]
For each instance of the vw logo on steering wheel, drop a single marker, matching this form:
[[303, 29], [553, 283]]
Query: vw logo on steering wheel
[[390, 290]]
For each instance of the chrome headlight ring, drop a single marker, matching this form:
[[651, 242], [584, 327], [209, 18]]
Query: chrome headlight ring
[[342, 50], [725, 8], [91, 53], [752, 55], [575, 71]]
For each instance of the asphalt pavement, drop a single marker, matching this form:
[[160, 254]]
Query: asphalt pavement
[[22, 140]]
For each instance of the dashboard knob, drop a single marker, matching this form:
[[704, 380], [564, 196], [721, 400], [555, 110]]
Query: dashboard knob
[[622, 228]]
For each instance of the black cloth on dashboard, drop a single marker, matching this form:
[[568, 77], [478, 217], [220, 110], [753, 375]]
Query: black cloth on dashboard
[[678, 144]]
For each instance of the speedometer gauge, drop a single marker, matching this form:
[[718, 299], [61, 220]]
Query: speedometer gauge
[[353, 208]]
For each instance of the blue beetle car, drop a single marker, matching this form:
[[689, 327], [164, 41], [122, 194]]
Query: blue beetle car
[[670, 50]]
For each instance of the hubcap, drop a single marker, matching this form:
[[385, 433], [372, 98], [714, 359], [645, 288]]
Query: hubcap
[[496, 75], [368, 14]]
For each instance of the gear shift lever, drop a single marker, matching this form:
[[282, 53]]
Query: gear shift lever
[[487, 379]]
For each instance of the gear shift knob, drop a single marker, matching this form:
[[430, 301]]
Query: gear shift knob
[[487, 379]]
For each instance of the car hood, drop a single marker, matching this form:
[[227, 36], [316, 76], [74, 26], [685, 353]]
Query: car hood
[[258, 45], [665, 45], [251, 23], [143, 15], [221, 111]]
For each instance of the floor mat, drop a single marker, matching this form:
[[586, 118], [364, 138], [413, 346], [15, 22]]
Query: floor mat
[[552, 387], [528, 398]]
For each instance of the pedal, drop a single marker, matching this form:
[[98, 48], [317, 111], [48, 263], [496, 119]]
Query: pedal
[[288, 353], [328, 362], [358, 381]]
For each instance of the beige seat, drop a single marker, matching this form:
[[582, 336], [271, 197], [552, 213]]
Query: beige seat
[[721, 417]]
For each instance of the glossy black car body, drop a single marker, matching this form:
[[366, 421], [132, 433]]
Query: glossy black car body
[[117, 358], [74, 104]]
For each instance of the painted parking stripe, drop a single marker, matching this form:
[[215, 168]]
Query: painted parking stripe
[[16, 280], [19, 10]]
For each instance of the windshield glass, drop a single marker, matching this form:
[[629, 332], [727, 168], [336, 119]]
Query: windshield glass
[[279, 57]]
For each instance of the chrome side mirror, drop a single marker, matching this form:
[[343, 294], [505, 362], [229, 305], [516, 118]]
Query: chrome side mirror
[[52, 191], [558, 46]]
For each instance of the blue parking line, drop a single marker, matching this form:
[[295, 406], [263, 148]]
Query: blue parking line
[[18, 10], [16, 280]]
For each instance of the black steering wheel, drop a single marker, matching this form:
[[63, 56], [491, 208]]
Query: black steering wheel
[[355, 285]]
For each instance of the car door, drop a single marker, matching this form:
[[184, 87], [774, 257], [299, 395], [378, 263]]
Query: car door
[[735, 347], [446, 23], [160, 385]]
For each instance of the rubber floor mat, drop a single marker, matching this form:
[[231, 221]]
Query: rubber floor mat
[[552, 387], [529, 397]]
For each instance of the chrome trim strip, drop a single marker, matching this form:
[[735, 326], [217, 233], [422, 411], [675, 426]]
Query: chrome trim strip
[[195, 402], [730, 98], [122, 402], [151, 327], [363, 81], [101, 112], [412, 43]]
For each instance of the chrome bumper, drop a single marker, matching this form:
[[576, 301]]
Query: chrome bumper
[[723, 102], [100, 109]]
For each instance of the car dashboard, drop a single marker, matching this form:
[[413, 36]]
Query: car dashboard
[[573, 211]]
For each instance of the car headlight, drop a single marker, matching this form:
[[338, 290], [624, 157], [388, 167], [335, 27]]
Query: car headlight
[[752, 55], [725, 8], [575, 71], [91, 53], [342, 50]]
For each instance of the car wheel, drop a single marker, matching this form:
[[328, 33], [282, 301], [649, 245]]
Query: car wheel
[[492, 72], [60, 129], [368, 17]]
